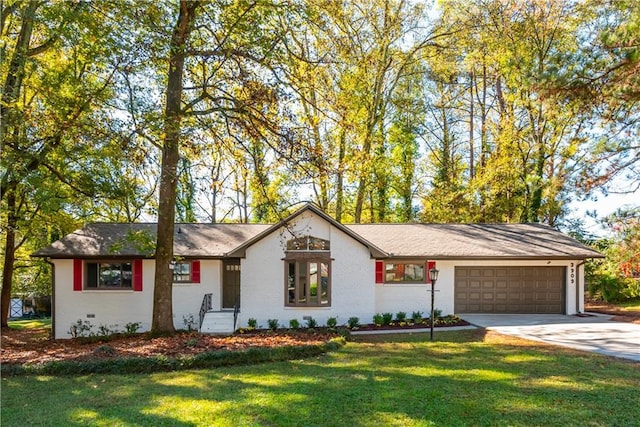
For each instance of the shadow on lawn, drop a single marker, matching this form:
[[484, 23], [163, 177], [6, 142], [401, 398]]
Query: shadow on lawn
[[460, 379]]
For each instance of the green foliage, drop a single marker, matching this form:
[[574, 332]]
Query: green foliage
[[353, 322], [294, 324], [387, 318], [401, 316], [416, 316], [332, 322], [81, 328], [378, 320], [312, 323], [132, 328], [273, 324], [252, 323], [137, 365]]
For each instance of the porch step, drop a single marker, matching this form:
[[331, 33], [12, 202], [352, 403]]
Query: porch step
[[217, 322]]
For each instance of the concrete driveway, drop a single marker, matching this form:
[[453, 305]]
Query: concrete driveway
[[596, 333]]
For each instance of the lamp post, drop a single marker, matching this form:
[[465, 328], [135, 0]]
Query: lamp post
[[433, 276]]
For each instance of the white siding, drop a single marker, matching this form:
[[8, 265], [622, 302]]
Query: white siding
[[263, 277], [117, 308]]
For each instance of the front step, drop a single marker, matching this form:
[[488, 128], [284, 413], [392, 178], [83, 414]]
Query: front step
[[217, 322]]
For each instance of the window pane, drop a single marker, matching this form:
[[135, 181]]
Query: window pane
[[313, 282], [302, 282], [127, 275], [182, 272], [92, 275], [404, 272], [110, 275], [324, 283], [291, 282]]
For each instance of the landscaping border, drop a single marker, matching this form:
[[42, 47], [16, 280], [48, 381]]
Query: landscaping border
[[140, 365]]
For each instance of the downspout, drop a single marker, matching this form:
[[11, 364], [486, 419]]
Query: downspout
[[53, 297], [578, 285]]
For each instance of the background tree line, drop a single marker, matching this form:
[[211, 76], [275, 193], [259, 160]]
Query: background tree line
[[375, 110]]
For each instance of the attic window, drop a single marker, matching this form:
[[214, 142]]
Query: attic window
[[308, 243]]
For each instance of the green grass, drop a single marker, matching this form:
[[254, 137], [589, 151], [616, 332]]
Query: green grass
[[30, 323], [463, 378], [633, 305]]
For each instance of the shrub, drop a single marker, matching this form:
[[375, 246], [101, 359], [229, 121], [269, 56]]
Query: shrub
[[387, 318], [401, 316], [252, 323], [294, 324], [612, 288], [273, 324], [82, 328], [353, 322], [416, 316], [105, 350], [189, 322], [311, 323], [105, 331], [209, 359], [191, 342], [378, 320], [132, 328], [332, 322], [437, 313]]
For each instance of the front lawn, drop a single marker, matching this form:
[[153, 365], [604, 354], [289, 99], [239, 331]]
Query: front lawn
[[463, 378], [30, 323]]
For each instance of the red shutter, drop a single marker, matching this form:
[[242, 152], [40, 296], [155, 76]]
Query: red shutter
[[195, 271], [137, 275], [77, 274], [430, 265], [379, 271]]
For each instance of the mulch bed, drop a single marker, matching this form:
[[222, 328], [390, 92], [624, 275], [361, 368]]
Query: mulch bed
[[421, 325], [618, 314], [22, 346]]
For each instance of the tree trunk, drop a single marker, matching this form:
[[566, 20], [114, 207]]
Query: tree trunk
[[340, 178], [9, 254], [162, 296]]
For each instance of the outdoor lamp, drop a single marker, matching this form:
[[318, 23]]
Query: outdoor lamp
[[433, 276]]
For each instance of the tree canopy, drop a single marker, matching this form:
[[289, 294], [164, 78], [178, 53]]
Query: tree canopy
[[374, 110]]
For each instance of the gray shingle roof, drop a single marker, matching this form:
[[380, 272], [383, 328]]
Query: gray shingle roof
[[441, 241], [434, 241], [121, 240]]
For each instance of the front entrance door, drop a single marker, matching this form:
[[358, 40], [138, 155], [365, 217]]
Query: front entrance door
[[231, 283]]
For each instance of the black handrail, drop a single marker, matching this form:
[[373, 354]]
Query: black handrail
[[236, 310], [204, 307]]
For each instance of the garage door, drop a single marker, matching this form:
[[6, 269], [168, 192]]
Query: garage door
[[509, 289]]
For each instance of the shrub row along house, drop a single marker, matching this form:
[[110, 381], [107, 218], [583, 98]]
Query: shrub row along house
[[310, 265]]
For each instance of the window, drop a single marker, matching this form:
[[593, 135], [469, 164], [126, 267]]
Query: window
[[109, 275], [182, 272], [308, 243], [308, 272], [404, 272], [308, 282], [186, 271]]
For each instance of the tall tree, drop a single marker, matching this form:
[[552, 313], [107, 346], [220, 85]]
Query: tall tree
[[162, 320]]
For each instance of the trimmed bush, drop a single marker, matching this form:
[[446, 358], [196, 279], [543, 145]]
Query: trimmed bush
[[294, 324], [387, 318], [211, 359], [401, 316], [353, 322], [332, 322], [378, 320], [273, 324]]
